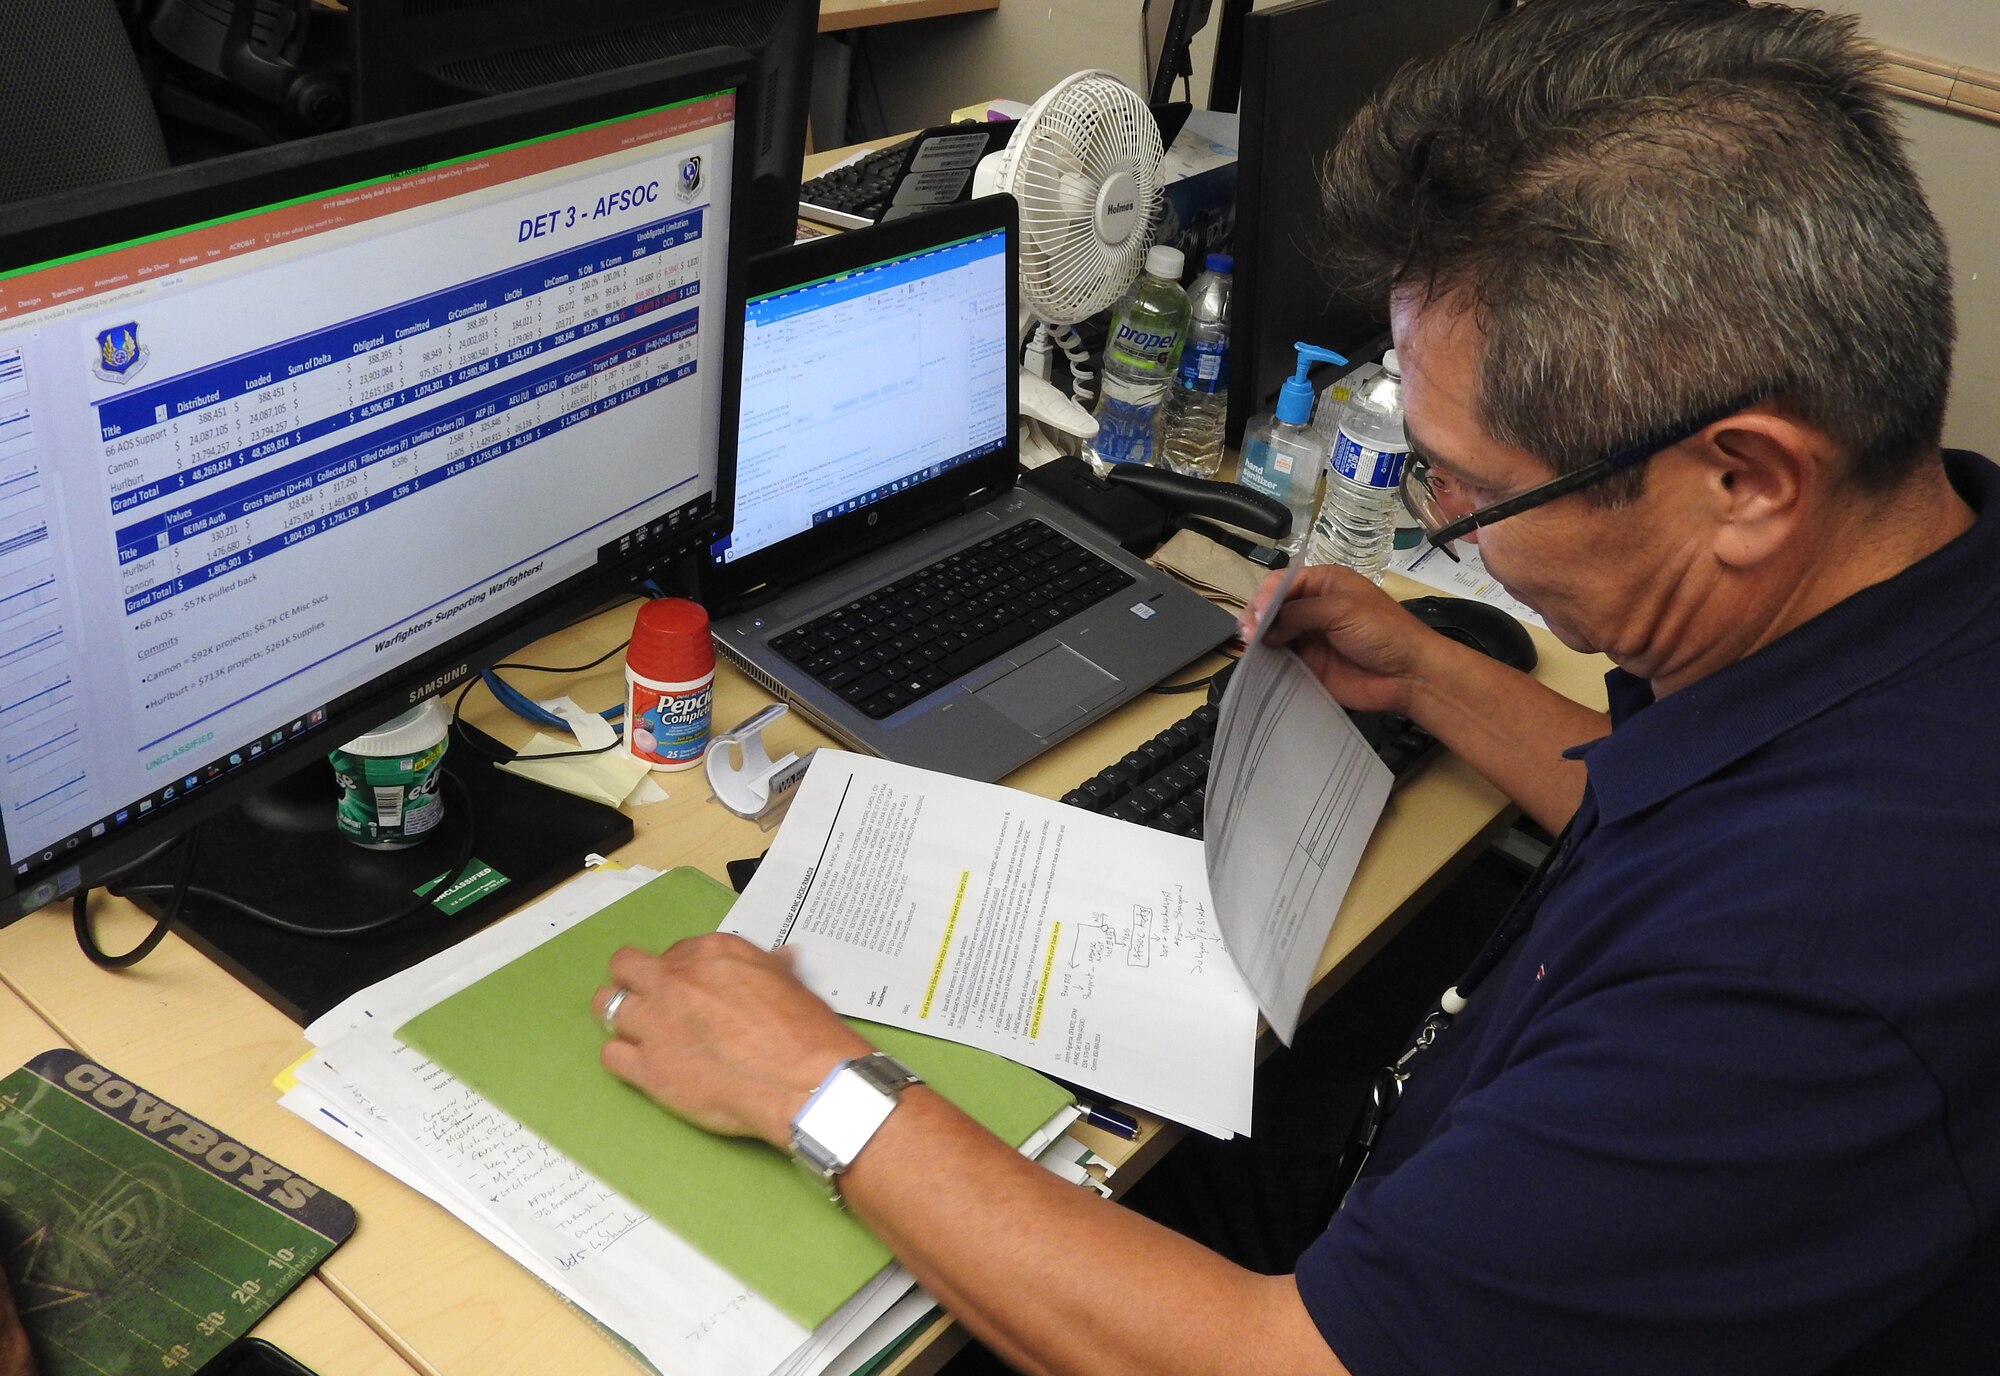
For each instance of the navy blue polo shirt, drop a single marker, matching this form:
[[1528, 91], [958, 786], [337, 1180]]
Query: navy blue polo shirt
[[1732, 1104]]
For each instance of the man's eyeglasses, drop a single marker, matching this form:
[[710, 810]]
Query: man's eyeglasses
[[1432, 495]]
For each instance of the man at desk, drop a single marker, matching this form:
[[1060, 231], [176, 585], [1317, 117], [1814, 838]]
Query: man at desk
[[1732, 1102]]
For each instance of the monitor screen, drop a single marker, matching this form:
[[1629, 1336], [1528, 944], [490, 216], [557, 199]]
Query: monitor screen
[[291, 441], [412, 55], [812, 445]]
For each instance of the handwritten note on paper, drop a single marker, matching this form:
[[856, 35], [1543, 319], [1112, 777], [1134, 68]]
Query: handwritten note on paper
[[414, 1120], [579, 1237], [1075, 944]]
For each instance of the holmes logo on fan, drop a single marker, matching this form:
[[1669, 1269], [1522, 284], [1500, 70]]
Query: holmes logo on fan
[[1120, 207]]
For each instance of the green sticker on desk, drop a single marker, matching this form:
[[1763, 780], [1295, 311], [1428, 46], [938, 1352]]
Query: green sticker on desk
[[525, 1037], [137, 1237]]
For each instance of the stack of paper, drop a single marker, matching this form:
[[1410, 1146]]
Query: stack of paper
[[643, 1281], [525, 1037]]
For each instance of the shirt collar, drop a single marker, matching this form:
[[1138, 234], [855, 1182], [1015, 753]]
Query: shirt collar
[[1692, 734]]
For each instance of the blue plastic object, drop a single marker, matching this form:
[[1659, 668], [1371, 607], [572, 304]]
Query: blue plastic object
[[1295, 398]]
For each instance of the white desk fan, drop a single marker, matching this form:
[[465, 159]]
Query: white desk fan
[[1084, 166]]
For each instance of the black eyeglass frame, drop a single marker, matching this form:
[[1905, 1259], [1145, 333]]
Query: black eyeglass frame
[[1617, 461]]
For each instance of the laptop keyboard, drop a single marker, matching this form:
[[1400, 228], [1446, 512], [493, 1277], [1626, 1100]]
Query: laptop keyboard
[[886, 650]]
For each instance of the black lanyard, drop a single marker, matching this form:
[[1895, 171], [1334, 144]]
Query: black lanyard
[[1387, 1092]]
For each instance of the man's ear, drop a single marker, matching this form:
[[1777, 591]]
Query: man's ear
[[1759, 473]]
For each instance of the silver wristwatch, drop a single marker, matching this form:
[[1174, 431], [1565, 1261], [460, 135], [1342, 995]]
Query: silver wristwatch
[[854, 1100]]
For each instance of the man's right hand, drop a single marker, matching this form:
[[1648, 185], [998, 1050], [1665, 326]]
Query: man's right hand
[[1376, 657], [1355, 638]]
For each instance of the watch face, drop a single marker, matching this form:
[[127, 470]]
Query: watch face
[[844, 1112]]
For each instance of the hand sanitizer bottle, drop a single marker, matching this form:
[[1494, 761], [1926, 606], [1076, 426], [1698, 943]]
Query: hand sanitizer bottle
[[1282, 455]]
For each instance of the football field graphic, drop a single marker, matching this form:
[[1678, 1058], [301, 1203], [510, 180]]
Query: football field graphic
[[137, 1237]]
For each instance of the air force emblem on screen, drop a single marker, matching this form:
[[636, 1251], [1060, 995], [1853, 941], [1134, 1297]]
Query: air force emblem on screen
[[691, 178], [119, 353]]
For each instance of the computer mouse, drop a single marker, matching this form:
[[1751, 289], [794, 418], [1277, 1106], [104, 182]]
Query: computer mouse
[[1486, 629]]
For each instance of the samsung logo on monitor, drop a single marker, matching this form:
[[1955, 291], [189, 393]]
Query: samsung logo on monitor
[[430, 688]]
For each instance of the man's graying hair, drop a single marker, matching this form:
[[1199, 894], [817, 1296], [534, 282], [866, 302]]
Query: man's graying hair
[[1656, 207]]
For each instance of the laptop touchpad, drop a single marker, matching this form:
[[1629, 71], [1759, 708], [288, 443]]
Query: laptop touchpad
[[1050, 691]]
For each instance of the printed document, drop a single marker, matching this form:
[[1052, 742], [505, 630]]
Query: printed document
[[1294, 792], [1079, 945]]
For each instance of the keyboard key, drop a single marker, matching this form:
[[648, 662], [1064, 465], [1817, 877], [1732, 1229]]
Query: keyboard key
[[1163, 782], [950, 617]]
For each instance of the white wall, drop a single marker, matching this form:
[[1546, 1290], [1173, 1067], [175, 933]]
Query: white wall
[[1958, 158], [925, 70]]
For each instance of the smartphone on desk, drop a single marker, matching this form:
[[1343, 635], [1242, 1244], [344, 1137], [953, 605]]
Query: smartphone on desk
[[254, 1357]]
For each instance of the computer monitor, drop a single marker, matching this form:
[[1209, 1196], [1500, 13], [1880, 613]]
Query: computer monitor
[[294, 440], [1170, 25], [1307, 68], [411, 55]]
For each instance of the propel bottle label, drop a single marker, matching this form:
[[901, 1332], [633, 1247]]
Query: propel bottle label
[[1140, 348]]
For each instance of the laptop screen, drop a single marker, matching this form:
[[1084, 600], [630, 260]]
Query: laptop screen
[[869, 382]]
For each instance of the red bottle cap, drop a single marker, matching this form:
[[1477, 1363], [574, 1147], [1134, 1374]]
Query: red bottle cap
[[670, 641]]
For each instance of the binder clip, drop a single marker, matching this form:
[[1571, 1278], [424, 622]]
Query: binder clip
[[744, 777]]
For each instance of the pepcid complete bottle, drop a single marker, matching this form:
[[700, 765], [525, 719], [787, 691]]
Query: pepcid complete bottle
[[669, 684]]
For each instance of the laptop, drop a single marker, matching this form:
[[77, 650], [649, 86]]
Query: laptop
[[882, 548]]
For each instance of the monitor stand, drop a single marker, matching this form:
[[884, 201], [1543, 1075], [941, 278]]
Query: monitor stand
[[280, 853]]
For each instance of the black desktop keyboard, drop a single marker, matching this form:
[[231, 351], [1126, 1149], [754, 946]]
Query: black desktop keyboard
[[891, 647], [860, 191], [1164, 782]]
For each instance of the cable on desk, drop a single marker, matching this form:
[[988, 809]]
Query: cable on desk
[[1082, 377], [86, 930], [1194, 684], [181, 889], [505, 693]]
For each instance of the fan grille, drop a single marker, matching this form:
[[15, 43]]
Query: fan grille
[[1080, 246]]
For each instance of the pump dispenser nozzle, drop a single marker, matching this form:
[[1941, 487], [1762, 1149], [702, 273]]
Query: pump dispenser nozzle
[[1295, 398]]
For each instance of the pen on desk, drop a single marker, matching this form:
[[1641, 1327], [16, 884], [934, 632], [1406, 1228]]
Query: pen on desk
[[1417, 562], [1109, 1119]]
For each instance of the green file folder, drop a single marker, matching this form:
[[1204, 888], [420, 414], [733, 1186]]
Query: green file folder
[[525, 1037]]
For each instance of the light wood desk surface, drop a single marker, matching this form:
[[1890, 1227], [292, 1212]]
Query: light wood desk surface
[[311, 1323], [836, 15], [438, 1293]]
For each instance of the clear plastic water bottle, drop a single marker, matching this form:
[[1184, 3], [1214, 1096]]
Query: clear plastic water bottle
[[1191, 435], [1356, 525], [1147, 330]]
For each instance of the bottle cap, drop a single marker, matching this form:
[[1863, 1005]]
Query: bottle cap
[[1295, 398], [670, 641], [1164, 260], [1220, 262], [1390, 365], [412, 733]]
